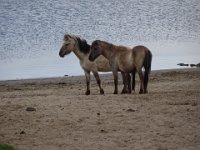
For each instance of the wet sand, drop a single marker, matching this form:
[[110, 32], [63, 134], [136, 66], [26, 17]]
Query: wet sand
[[60, 116]]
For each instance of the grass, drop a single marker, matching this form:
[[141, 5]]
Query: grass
[[6, 147]]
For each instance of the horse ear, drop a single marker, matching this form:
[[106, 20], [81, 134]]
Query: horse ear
[[95, 42], [66, 37]]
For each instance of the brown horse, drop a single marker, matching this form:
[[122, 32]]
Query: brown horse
[[82, 50], [125, 60]]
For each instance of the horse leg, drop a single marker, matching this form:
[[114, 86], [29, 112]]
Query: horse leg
[[141, 81], [87, 75], [127, 83], [115, 75], [96, 75], [133, 79], [128, 77], [124, 83]]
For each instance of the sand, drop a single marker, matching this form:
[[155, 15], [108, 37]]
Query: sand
[[54, 114]]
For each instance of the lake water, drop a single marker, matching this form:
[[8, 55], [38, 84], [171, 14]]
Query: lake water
[[31, 32]]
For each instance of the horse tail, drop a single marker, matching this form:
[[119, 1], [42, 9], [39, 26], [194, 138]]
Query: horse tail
[[147, 67]]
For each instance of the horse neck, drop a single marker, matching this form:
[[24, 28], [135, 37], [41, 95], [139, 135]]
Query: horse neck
[[107, 50], [79, 54]]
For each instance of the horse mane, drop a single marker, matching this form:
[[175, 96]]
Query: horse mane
[[82, 43], [105, 42], [83, 46], [111, 46]]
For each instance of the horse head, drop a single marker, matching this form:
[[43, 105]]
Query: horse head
[[96, 50], [68, 46], [74, 43]]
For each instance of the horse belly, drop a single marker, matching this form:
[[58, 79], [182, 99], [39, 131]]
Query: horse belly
[[126, 64], [88, 65], [100, 64], [126, 68], [103, 64]]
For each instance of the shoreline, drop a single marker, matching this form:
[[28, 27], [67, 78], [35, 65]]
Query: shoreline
[[46, 79]]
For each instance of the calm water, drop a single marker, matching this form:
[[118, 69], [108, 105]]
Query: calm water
[[31, 32]]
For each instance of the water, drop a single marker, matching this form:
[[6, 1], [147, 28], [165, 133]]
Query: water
[[31, 32]]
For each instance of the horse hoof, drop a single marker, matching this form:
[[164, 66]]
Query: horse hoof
[[101, 92], [87, 93], [115, 92], [125, 92]]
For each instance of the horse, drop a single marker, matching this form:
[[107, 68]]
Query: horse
[[125, 60], [81, 49]]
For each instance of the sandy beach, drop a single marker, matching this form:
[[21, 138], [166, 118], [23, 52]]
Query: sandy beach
[[55, 114]]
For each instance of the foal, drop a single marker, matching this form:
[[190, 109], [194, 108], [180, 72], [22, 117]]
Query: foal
[[125, 60]]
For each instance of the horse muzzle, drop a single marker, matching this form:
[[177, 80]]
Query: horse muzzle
[[61, 54]]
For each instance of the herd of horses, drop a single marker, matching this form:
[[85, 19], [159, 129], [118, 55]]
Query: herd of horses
[[102, 56]]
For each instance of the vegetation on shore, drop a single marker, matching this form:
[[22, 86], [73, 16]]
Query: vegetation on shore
[[6, 147]]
